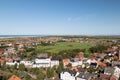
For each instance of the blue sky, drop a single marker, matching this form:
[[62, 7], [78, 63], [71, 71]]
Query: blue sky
[[60, 17]]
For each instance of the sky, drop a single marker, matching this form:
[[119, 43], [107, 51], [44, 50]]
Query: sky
[[60, 17]]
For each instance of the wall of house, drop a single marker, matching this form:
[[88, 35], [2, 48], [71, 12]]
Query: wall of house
[[79, 78], [117, 72], [66, 76], [76, 63]]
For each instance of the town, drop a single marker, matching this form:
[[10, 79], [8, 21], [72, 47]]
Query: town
[[59, 39], [77, 58]]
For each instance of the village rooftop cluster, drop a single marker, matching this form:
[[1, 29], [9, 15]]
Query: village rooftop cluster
[[99, 66]]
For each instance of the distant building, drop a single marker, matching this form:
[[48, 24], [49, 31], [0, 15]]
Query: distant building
[[119, 54], [42, 55]]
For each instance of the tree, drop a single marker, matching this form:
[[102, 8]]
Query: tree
[[35, 71], [59, 69], [69, 65], [0, 65], [21, 67], [52, 72], [98, 48], [41, 76], [3, 66], [48, 72], [15, 66], [87, 55]]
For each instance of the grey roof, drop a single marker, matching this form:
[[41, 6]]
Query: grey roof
[[109, 70], [104, 76], [74, 59], [115, 63], [85, 60], [85, 75], [69, 71], [81, 69], [54, 59], [43, 55]]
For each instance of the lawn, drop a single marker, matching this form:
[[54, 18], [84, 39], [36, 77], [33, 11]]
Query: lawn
[[61, 46]]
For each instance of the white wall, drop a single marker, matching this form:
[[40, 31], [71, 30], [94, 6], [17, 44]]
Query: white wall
[[66, 76], [117, 72], [77, 63]]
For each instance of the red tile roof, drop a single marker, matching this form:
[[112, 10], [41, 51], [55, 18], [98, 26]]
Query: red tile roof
[[66, 61], [1, 61], [112, 77], [101, 64], [1, 51], [13, 77]]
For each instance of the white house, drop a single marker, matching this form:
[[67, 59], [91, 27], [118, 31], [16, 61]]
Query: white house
[[45, 62], [76, 63], [27, 63], [117, 72], [68, 75], [12, 63], [54, 63], [89, 61]]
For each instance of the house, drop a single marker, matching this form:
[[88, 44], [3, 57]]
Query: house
[[13, 62], [93, 65], [45, 62], [54, 62], [119, 55], [80, 56], [114, 63], [104, 77], [27, 63], [42, 55], [67, 74], [99, 63], [113, 77], [2, 61], [66, 62], [109, 71], [81, 70], [85, 60], [117, 72], [14, 77], [10, 50], [75, 62], [1, 51], [91, 60], [101, 56], [84, 76]]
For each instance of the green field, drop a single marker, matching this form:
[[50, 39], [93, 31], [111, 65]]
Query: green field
[[61, 46]]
